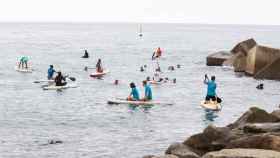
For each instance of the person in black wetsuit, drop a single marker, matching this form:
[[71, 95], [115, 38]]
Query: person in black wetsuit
[[60, 80], [86, 54]]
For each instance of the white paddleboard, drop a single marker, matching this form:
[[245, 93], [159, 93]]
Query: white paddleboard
[[43, 81], [28, 70], [211, 105], [53, 87], [124, 101], [99, 74], [155, 82]]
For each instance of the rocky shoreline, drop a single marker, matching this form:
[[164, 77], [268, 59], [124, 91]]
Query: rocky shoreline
[[256, 134]]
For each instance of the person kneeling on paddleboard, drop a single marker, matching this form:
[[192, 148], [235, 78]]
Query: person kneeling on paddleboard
[[211, 88], [134, 94], [59, 80], [51, 71], [148, 92], [99, 66], [23, 60]]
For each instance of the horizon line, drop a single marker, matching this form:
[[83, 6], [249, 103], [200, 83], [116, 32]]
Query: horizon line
[[135, 22]]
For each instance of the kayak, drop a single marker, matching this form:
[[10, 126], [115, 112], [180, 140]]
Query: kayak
[[53, 87], [24, 70], [211, 105], [124, 101], [99, 74]]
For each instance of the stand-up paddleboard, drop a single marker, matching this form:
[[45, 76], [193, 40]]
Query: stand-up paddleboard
[[53, 87], [124, 101], [24, 70], [99, 74], [44, 81], [211, 105], [155, 82]]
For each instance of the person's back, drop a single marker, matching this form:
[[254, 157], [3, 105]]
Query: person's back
[[99, 66], [135, 93], [211, 88], [148, 92], [58, 80]]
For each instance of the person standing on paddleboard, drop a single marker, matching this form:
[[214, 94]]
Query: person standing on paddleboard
[[211, 88], [157, 53], [51, 71], [148, 92], [60, 80], [99, 66], [134, 94]]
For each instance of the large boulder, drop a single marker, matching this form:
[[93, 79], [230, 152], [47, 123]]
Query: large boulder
[[244, 46], [276, 113], [217, 59], [270, 71], [254, 115], [243, 153], [181, 150], [264, 141], [212, 139]]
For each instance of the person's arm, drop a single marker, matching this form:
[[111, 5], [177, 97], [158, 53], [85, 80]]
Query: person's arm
[[206, 80]]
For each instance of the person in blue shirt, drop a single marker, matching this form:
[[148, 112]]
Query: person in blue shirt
[[148, 92], [211, 88], [51, 71], [134, 94], [23, 61]]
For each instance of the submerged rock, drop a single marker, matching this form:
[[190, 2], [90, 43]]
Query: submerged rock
[[55, 142], [243, 153]]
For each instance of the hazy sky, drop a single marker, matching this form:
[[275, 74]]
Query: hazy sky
[[182, 11]]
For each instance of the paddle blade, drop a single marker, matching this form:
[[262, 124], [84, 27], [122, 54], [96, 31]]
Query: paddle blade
[[72, 78]]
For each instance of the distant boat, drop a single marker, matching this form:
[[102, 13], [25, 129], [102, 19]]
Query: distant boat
[[140, 31]]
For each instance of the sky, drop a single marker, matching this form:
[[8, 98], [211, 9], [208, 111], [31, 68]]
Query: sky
[[260, 12]]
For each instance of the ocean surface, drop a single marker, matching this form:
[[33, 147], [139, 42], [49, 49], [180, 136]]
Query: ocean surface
[[80, 117]]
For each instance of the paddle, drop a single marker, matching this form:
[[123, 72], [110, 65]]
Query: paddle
[[86, 68], [71, 78]]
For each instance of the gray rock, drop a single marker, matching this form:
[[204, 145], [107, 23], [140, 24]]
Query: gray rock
[[243, 153], [181, 150], [262, 127], [217, 59], [254, 115]]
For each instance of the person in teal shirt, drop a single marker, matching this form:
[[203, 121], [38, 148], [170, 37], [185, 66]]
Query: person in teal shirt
[[148, 92], [211, 88], [23, 60], [134, 94]]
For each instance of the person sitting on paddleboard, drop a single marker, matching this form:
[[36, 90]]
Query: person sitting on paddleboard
[[148, 92], [60, 80], [211, 88], [134, 94], [23, 61], [99, 66], [51, 71], [86, 54]]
